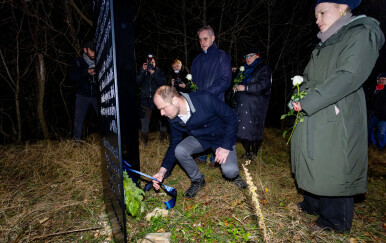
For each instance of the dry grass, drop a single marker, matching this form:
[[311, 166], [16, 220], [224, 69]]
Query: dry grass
[[49, 187], [53, 187]]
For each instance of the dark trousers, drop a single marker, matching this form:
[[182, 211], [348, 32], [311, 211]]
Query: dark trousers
[[334, 212], [82, 103]]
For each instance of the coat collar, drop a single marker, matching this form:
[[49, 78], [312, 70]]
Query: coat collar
[[212, 48], [191, 106], [341, 32]]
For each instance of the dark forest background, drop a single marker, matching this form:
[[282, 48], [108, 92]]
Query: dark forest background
[[40, 39]]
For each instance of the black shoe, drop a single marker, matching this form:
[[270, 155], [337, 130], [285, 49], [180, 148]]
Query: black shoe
[[77, 142], [240, 183], [249, 156], [195, 187], [213, 165], [199, 161]]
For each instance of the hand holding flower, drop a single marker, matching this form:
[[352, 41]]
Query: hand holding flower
[[190, 83], [294, 105], [239, 87], [238, 80]]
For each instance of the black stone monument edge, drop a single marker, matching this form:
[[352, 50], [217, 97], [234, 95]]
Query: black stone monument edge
[[117, 219]]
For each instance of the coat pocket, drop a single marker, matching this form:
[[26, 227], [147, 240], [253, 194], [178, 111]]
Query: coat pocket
[[332, 112]]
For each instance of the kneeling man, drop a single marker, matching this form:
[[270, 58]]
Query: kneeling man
[[210, 123]]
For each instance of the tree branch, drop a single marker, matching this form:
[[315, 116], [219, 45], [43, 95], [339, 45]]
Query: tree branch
[[80, 13]]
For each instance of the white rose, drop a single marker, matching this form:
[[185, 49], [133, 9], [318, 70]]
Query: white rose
[[189, 77], [297, 80], [242, 69]]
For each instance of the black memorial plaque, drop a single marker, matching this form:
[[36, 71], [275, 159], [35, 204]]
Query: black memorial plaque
[[115, 65]]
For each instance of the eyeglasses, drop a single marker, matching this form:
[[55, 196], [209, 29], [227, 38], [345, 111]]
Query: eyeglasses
[[250, 55]]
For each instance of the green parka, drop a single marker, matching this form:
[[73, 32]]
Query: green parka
[[329, 148]]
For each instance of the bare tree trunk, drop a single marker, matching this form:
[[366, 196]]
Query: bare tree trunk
[[17, 111], [41, 78], [184, 30], [70, 24], [204, 12], [269, 29]]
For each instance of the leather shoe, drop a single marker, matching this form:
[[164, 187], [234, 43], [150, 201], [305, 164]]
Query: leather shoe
[[213, 165], [198, 161], [195, 187]]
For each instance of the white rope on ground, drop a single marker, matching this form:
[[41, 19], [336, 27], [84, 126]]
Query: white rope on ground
[[252, 189]]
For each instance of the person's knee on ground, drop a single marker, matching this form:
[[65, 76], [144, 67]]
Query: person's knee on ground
[[230, 172]]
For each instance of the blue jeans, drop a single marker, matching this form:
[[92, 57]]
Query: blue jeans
[[189, 146], [82, 104], [377, 132]]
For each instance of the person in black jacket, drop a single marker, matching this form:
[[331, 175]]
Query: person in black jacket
[[179, 80], [83, 73], [377, 109], [150, 78], [252, 98]]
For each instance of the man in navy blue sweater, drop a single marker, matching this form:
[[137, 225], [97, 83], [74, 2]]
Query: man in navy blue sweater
[[209, 123]]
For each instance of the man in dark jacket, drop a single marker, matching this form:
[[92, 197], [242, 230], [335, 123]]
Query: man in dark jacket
[[83, 73], [150, 78], [211, 70], [209, 123], [377, 109]]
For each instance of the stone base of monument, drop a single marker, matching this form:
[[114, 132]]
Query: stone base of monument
[[156, 238]]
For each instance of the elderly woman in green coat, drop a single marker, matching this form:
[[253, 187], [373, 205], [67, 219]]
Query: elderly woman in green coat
[[329, 148]]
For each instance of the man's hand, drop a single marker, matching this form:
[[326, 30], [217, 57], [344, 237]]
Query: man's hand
[[144, 66], [221, 155], [182, 85], [159, 176], [240, 87], [91, 71]]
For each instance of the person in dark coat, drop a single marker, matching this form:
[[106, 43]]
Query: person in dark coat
[[150, 78], [377, 109], [178, 75], [329, 148], [83, 73], [209, 123], [252, 99], [211, 70]]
